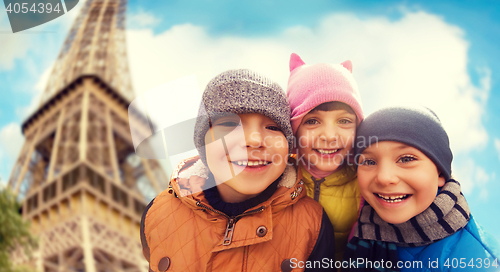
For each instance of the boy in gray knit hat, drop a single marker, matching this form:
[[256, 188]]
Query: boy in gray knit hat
[[415, 216], [249, 212]]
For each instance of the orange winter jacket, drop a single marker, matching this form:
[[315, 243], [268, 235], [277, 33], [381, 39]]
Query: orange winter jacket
[[184, 233]]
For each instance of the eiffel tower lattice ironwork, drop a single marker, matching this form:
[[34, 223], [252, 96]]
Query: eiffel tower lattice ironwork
[[81, 184]]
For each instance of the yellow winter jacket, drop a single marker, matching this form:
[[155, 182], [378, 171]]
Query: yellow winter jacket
[[340, 197]]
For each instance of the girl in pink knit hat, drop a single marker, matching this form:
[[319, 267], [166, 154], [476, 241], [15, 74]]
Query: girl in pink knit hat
[[325, 111]]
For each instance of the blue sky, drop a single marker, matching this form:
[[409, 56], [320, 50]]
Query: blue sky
[[440, 54]]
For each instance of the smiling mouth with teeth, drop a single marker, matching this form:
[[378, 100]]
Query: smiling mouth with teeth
[[392, 199], [251, 163], [326, 152]]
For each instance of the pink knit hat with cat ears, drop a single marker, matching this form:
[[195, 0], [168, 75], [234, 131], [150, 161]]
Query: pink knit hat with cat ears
[[312, 85]]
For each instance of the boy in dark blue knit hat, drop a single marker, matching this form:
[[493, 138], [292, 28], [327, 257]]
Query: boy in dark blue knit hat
[[415, 217]]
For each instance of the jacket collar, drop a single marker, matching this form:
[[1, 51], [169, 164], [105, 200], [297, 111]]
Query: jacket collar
[[340, 177], [289, 188]]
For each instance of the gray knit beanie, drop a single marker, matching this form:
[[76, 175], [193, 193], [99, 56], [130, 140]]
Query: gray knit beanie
[[417, 127], [242, 91]]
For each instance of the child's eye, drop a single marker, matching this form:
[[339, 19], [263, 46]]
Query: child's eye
[[345, 121], [273, 127], [367, 162], [228, 124], [407, 158], [312, 122]]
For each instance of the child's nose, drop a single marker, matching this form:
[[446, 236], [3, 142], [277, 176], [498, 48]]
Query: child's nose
[[254, 139], [328, 133], [386, 175]]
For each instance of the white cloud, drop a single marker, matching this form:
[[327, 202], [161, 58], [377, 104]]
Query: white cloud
[[13, 46], [187, 49], [24, 112], [481, 179], [418, 58], [472, 178], [142, 19], [497, 147], [11, 141]]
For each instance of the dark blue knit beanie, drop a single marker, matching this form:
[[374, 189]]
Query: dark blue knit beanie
[[417, 127]]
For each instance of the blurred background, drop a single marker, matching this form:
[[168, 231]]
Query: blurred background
[[441, 54]]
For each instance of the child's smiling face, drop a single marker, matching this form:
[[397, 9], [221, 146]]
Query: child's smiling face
[[398, 180], [325, 137], [245, 153]]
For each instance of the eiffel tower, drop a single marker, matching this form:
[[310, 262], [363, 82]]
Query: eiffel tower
[[81, 184]]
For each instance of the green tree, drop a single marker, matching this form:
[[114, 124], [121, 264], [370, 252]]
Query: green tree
[[14, 231]]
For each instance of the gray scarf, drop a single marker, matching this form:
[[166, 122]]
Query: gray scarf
[[376, 240]]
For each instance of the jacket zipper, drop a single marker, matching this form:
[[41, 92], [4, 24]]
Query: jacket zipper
[[317, 187], [228, 236], [231, 221]]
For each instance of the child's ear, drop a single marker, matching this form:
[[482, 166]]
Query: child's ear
[[348, 65], [295, 61], [441, 180]]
